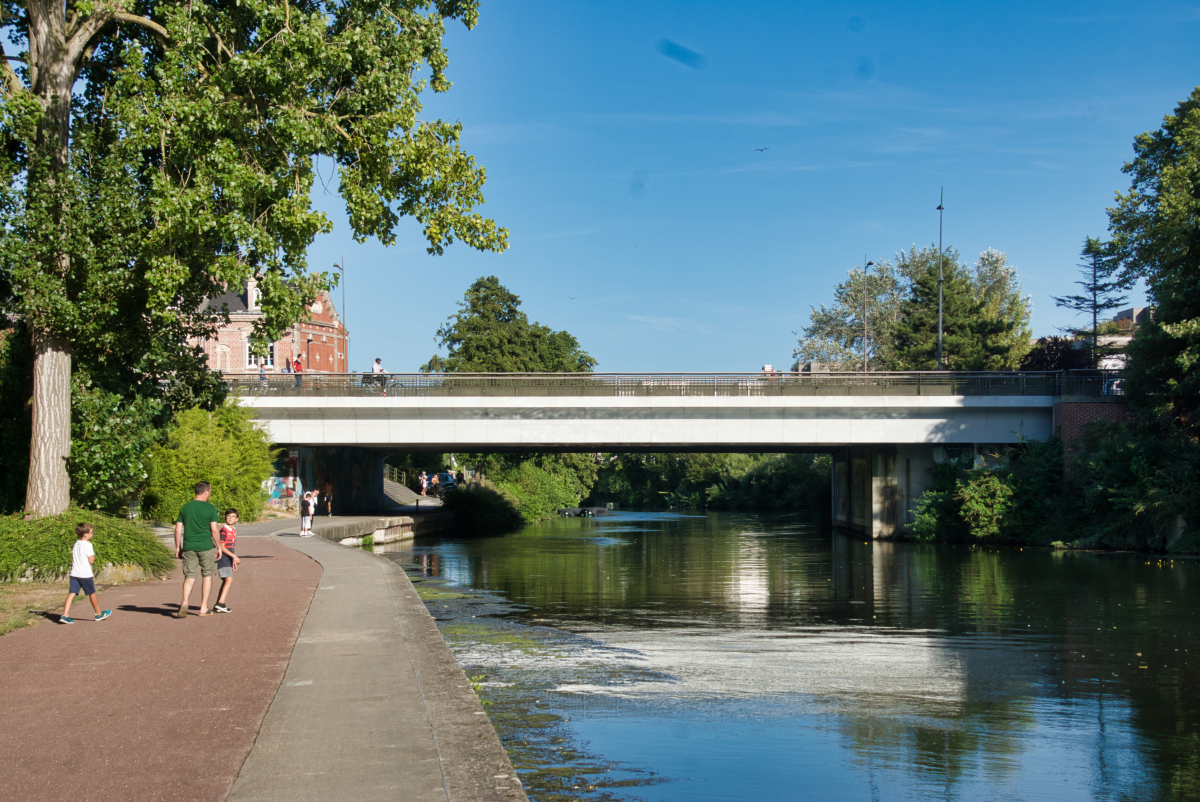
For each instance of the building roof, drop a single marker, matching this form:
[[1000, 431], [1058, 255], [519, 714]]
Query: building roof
[[236, 301]]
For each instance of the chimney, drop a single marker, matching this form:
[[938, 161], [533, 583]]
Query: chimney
[[252, 295]]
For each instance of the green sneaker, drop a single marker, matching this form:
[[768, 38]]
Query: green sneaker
[[104, 615], [62, 619]]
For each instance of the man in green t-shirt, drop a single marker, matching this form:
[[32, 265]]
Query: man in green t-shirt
[[197, 543]]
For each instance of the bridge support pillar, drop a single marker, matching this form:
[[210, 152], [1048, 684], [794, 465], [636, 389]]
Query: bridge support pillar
[[876, 488]]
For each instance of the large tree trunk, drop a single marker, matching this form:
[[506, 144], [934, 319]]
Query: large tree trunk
[[49, 489], [53, 62]]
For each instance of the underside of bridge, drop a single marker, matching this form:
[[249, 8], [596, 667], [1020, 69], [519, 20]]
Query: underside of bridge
[[885, 431]]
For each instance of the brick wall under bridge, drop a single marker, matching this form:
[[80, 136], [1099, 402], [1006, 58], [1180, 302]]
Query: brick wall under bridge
[[1072, 416]]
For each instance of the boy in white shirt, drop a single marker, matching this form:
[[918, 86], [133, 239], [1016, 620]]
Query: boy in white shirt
[[83, 555]]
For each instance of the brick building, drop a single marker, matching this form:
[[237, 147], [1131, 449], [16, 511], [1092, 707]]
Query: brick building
[[321, 343]]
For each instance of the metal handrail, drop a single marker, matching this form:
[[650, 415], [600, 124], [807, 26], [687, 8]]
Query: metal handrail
[[1097, 383]]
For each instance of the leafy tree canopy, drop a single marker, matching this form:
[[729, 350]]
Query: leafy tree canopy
[[1055, 353], [490, 334], [890, 313], [155, 153], [860, 324], [1156, 237]]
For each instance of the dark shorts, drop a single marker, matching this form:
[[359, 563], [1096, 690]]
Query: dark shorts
[[83, 583], [225, 566]]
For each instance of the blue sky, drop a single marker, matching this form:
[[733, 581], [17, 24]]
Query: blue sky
[[629, 179]]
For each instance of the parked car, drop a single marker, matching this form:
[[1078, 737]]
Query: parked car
[[446, 481]]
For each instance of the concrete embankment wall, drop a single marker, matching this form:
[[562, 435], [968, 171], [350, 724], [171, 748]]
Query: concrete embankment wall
[[386, 529]]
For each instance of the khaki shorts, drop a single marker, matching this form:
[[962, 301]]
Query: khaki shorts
[[199, 563]]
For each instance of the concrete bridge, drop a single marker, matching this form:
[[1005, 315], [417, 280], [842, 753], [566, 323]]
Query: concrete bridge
[[884, 429]]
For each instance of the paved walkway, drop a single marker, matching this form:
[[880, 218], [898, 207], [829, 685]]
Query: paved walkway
[[144, 706], [369, 704], [373, 706]]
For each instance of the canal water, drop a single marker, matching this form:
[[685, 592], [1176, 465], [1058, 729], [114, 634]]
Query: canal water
[[648, 656]]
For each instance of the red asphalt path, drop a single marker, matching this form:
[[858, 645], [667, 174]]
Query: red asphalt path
[[144, 706]]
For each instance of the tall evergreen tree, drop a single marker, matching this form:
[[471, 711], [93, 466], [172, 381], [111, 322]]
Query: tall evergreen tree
[[490, 334], [1156, 237], [1100, 291], [972, 340]]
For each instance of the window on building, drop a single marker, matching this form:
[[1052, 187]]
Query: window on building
[[255, 362]]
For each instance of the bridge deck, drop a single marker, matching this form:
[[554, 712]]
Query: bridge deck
[[608, 412], [631, 385]]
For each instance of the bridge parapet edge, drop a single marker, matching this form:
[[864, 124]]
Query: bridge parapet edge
[[879, 383]]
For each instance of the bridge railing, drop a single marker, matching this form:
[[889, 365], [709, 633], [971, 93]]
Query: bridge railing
[[1095, 383]]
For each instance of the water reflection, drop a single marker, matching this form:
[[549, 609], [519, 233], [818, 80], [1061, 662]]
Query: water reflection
[[734, 656]]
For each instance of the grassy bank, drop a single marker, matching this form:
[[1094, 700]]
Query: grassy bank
[[21, 603], [40, 550]]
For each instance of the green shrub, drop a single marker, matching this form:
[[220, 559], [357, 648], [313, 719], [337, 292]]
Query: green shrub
[[986, 498], [538, 493], [111, 439], [936, 512], [225, 448], [482, 510], [41, 549]]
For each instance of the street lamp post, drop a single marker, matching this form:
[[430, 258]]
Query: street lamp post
[[866, 265], [941, 276]]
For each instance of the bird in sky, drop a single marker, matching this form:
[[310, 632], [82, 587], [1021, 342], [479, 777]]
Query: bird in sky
[[760, 150], [572, 297]]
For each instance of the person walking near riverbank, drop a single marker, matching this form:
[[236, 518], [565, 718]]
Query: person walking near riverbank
[[227, 562], [197, 544], [424, 479], [83, 556], [306, 512]]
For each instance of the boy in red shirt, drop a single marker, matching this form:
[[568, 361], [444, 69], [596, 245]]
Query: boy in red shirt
[[227, 561]]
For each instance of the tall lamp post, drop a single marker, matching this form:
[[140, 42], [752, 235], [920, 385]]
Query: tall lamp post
[[866, 265], [941, 208], [345, 328]]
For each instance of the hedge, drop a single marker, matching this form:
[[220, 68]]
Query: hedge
[[41, 549]]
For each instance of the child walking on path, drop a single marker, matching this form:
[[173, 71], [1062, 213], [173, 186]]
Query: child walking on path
[[306, 513], [227, 562], [83, 555]]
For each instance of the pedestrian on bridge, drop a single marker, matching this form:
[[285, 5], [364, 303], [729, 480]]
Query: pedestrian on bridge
[[377, 373]]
